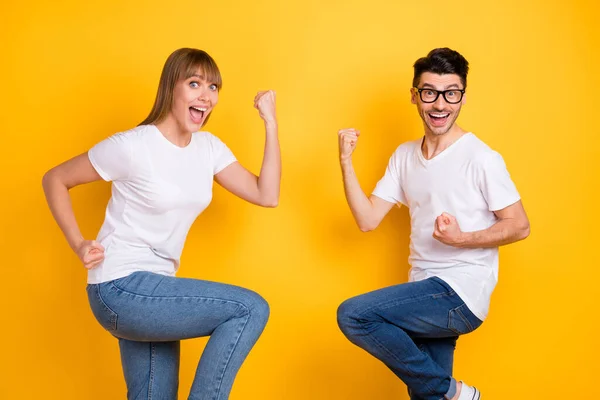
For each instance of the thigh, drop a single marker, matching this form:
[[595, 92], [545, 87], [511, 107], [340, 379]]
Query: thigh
[[422, 308], [152, 307]]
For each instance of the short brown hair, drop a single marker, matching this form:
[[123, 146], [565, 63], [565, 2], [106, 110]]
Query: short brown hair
[[442, 61]]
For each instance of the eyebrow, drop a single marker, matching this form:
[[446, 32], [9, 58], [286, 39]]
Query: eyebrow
[[453, 86], [202, 78]]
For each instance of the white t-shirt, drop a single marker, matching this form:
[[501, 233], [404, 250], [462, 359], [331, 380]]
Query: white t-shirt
[[158, 190], [467, 180]]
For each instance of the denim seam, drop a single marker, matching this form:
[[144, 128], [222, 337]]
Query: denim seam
[[452, 314], [157, 285], [114, 316], [465, 320], [249, 315], [443, 283], [381, 346], [179, 297], [152, 362], [393, 302]]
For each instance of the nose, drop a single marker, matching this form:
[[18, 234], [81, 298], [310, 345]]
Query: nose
[[440, 102], [203, 95]]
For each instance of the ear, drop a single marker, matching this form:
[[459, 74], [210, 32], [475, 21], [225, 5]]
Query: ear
[[413, 95], [464, 99]]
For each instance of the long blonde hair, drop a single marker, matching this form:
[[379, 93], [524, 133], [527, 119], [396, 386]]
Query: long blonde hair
[[181, 64]]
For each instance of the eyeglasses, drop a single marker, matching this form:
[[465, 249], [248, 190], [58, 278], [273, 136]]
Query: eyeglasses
[[452, 96]]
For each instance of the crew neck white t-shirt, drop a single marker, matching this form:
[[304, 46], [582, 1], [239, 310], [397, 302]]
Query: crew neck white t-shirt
[[158, 190], [468, 180]]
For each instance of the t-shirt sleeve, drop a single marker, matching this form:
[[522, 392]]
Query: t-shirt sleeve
[[389, 188], [221, 155], [112, 157], [496, 186]]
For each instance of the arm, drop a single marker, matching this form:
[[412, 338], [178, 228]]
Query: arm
[[512, 226], [262, 190], [56, 184], [368, 212]]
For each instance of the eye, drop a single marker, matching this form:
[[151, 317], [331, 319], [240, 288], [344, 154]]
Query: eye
[[451, 93], [429, 93], [194, 84], [213, 87]]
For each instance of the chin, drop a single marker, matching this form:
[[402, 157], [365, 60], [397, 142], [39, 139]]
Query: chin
[[193, 127], [441, 130], [438, 130]]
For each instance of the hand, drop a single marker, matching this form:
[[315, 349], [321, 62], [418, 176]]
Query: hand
[[347, 140], [447, 231], [91, 253], [264, 102]]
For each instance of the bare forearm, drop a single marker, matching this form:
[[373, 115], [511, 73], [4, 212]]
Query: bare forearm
[[359, 203], [270, 172], [59, 201], [503, 232]]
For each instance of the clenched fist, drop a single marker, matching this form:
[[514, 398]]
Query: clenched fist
[[91, 253], [447, 231], [264, 102], [347, 140]]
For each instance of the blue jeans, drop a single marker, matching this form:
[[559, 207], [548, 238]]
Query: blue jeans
[[150, 313], [412, 328]]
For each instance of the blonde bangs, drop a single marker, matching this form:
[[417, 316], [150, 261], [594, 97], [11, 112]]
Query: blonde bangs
[[207, 67]]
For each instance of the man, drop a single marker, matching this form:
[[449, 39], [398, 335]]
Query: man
[[463, 205]]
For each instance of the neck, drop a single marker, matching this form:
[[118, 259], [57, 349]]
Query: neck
[[435, 144], [173, 132]]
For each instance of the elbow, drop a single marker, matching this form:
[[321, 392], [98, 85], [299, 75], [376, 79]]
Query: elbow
[[53, 178], [525, 231], [366, 226], [47, 178], [270, 203]]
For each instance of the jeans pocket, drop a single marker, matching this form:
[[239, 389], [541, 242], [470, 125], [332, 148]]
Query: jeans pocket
[[459, 321], [105, 316]]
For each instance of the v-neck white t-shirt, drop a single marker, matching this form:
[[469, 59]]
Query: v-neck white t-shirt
[[468, 180], [158, 190]]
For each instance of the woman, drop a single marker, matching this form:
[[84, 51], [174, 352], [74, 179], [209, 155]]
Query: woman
[[162, 173]]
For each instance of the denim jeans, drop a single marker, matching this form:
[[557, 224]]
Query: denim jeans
[[412, 328], [150, 313]]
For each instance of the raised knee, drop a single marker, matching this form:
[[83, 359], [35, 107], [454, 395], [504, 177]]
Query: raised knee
[[346, 314], [262, 308], [257, 306]]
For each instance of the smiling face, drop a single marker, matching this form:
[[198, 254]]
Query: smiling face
[[193, 100], [440, 116], [187, 91]]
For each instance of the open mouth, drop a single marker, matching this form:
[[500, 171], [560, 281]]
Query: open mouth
[[197, 114], [439, 119]]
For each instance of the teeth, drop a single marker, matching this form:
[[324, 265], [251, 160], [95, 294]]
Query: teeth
[[439, 115], [203, 109]]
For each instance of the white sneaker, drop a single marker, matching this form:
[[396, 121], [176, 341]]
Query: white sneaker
[[469, 393]]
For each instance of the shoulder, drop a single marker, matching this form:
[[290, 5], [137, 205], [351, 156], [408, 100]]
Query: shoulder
[[140, 132], [137, 134], [407, 148], [204, 136], [481, 152], [209, 142]]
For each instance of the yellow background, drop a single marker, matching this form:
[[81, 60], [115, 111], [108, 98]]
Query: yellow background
[[73, 73]]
